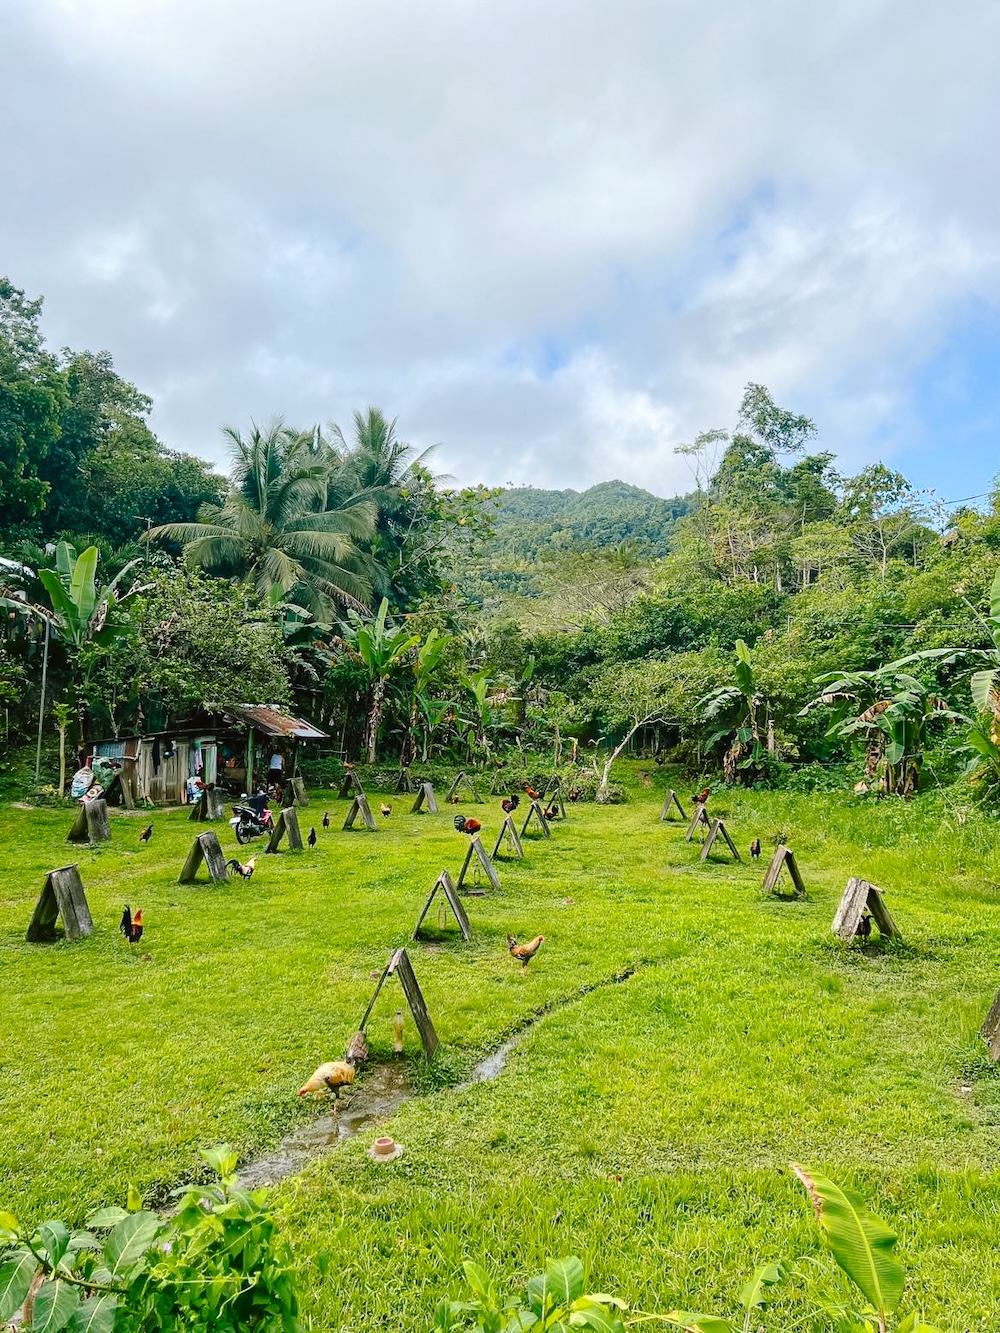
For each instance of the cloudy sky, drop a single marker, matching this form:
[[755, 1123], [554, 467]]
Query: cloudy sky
[[556, 236]]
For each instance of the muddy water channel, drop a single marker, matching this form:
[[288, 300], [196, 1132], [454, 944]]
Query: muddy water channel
[[383, 1089]]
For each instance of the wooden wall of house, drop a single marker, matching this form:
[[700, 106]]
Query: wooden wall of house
[[168, 785]]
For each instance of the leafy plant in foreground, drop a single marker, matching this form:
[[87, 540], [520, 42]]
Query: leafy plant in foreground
[[218, 1263], [862, 1245]]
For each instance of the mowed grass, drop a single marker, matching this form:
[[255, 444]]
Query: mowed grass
[[646, 1124]]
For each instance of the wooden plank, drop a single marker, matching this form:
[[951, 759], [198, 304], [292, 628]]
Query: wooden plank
[[534, 809], [784, 857], [508, 831], [699, 820], [78, 833], [62, 895], [350, 783], [425, 796], [717, 830], [990, 1030], [878, 909], [672, 801], [444, 885], [404, 783], [98, 824], [460, 780], [359, 806], [400, 965], [286, 825], [301, 795], [861, 896], [205, 848], [477, 849]]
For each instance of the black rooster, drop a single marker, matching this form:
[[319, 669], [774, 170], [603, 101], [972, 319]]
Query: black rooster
[[755, 849], [311, 840], [131, 926], [146, 833]]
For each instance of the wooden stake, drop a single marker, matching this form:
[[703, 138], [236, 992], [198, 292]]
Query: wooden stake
[[359, 806], [463, 780], [535, 809], [673, 800], [399, 964], [404, 783], [350, 783], [700, 820], [508, 831], [784, 856], [858, 897], [991, 1028], [301, 795], [718, 829], [425, 796], [476, 848], [444, 884], [91, 823], [63, 896], [205, 848], [287, 822]]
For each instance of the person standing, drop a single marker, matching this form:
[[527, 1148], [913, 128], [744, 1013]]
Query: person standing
[[275, 770]]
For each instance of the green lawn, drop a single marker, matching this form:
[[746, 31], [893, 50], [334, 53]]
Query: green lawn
[[646, 1125]]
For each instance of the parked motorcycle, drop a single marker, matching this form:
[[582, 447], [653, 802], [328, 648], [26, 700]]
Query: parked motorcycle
[[252, 820]]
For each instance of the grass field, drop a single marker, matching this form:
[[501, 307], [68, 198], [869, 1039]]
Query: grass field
[[646, 1125]]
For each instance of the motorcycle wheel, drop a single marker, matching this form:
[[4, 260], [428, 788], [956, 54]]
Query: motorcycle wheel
[[243, 834]]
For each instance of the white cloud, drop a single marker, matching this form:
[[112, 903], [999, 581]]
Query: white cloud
[[558, 238]]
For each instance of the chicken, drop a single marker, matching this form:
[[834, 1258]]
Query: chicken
[[131, 926], [702, 796], [510, 804], [755, 849], [311, 840], [551, 811], [575, 795], [335, 1074], [244, 871], [525, 952], [146, 833], [532, 794], [385, 810], [864, 927], [326, 819], [469, 826], [453, 800], [357, 1049]]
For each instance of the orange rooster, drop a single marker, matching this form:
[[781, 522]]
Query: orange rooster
[[469, 826], [525, 952], [551, 811], [702, 796], [131, 926], [532, 794]]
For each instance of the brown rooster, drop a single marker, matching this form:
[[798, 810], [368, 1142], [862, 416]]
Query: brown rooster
[[532, 794], [755, 849], [509, 804], [525, 952], [551, 812], [385, 810], [469, 826], [702, 796]]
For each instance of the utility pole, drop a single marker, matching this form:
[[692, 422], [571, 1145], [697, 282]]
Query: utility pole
[[41, 706]]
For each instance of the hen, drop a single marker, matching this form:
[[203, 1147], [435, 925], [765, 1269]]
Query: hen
[[525, 952], [326, 819], [385, 810], [335, 1074], [755, 848], [311, 840]]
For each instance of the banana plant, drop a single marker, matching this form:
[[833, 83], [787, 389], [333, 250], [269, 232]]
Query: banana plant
[[739, 712], [424, 706], [381, 650]]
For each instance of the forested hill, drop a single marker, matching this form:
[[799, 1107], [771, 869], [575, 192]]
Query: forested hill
[[607, 514]]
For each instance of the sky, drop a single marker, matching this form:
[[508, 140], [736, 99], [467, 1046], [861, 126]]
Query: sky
[[555, 238]]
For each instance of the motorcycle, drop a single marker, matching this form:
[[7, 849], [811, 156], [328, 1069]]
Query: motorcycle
[[252, 820]]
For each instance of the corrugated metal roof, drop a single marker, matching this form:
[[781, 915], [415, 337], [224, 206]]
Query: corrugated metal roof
[[273, 722]]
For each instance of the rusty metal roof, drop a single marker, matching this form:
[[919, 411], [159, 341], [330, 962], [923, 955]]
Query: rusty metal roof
[[273, 722]]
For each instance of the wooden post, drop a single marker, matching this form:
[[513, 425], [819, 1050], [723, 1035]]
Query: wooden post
[[301, 795], [477, 849], [404, 783], [990, 1030], [717, 830], [425, 796], [464, 780], [859, 897], [359, 806], [92, 823], [445, 885], [62, 895], [508, 831], [535, 809], [784, 856], [672, 801], [350, 783], [700, 820], [205, 848], [400, 965], [287, 823]]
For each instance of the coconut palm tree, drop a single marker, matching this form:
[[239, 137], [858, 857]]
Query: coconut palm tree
[[288, 525]]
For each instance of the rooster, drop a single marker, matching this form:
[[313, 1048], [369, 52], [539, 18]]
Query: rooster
[[146, 833], [510, 804], [453, 800], [864, 927], [755, 849], [702, 796], [525, 952], [131, 926], [385, 810], [326, 819], [238, 868], [469, 826], [532, 794], [551, 811], [575, 795], [335, 1074], [311, 840]]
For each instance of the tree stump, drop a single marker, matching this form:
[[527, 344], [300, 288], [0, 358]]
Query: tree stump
[[784, 857], [301, 794], [63, 896], [477, 849], [447, 888], [425, 796], [718, 830], [287, 824], [673, 801], [859, 897], [205, 848], [359, 806], [508, 831], [92, 823], [535, 812]]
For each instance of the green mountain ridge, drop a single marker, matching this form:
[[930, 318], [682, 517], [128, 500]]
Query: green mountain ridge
[[607, 514]]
